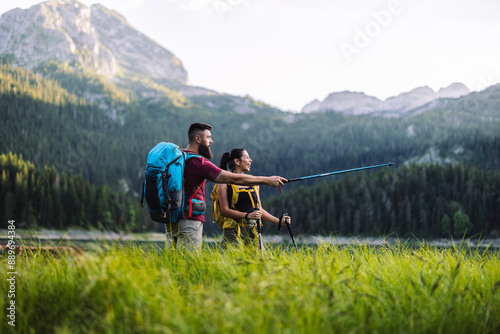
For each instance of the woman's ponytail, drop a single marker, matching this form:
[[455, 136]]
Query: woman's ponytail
[[224, 160], [227, 160]]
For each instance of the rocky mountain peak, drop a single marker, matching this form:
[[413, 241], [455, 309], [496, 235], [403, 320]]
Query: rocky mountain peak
[[312, 106], [454, 90], [351, 103], [95, 37], [359, 103]]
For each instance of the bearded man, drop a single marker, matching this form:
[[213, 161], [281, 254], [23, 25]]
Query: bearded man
[[187, 232]]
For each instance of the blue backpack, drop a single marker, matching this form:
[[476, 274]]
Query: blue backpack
[[163, 185]]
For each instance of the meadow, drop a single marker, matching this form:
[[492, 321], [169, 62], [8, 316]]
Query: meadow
[[322, 289]]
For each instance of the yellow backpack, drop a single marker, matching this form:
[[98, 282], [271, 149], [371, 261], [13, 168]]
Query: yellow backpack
[[217, 217]]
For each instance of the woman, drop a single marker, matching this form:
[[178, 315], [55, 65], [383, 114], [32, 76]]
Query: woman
[[241, 205]]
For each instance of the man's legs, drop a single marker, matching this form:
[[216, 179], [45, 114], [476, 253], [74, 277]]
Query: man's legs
[[185, 234], [172, 234]]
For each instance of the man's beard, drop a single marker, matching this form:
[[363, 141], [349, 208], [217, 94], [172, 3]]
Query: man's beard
[[205, 151]]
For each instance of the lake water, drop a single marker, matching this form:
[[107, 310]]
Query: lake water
[[78, 237]]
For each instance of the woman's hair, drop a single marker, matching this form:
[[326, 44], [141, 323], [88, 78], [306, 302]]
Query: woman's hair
[[227, 160]]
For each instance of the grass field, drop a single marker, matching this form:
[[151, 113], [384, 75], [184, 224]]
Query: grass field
[[324, 289]]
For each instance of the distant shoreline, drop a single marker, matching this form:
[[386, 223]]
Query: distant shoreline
[[98, 236]]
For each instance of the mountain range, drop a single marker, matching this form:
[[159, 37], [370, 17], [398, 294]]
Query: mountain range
[[101, 41], [94, 38], [357, 103]]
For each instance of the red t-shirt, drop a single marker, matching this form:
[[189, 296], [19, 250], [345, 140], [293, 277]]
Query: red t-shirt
[[198, 170]]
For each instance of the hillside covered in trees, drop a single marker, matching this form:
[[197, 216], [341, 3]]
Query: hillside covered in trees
[[73, 121], [40, 197], [422, 200]]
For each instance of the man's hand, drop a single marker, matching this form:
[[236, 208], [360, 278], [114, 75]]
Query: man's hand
[[276, 181]]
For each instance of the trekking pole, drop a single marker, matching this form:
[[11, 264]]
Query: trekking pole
[[259, 232], [339, 172], [291, 235], [289, 230]]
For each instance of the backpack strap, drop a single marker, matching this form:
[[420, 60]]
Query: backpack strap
[[191, 199], [258, 196], [164, 176], [214, 201], [234, 195], [188, 156], [254, 204], [143, 189], [236, 192]]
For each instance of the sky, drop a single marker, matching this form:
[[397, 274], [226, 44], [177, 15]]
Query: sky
[[289, 52]]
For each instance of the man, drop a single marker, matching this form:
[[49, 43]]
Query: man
[[187, 232]]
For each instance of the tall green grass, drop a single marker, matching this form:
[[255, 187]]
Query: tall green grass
[[324, 289]]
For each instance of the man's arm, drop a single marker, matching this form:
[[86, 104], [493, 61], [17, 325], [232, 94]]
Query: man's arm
[[249, 180]]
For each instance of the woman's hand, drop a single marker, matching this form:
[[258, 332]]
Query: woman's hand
[[286, 219], [256, 214]]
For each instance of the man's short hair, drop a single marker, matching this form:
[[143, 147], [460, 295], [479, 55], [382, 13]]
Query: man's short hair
[[196, 129]]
